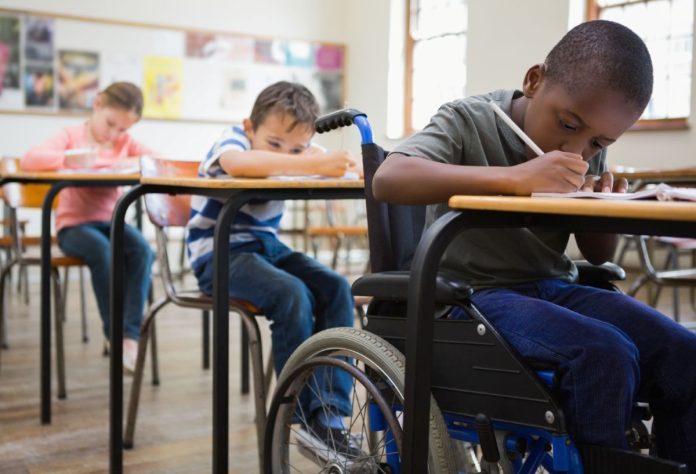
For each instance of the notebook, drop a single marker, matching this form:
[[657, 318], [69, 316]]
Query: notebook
[[661, 192]]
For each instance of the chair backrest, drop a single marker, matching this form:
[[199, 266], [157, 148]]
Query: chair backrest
[[166, 210], [17, 195], [393, 230]]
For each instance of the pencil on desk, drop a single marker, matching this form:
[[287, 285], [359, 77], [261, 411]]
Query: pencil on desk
[[518, 131]]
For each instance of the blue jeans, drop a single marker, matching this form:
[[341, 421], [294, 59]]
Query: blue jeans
[[91, 243], [300, 297], [609, 350]]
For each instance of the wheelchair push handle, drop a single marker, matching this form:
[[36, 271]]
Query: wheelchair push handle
[[345, 118]]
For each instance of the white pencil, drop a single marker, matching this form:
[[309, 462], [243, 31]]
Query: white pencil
[[499, 112]]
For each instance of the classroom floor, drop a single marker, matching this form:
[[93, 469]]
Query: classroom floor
[[174, 425]]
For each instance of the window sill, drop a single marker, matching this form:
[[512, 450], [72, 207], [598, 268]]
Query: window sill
[[661, 124]]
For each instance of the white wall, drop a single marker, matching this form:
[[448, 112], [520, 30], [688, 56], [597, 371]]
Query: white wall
[[505, 38], [318, 20]]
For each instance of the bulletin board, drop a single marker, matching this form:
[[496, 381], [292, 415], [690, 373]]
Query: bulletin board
[[56, 64]]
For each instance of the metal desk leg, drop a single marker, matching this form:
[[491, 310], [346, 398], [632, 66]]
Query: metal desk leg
[[46, 209], [116, 332], [221, 336], [419, 336]]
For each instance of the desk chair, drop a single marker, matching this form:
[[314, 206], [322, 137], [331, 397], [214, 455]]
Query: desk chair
[[31, 196], [333, 227], [672, 276], [169, 212]]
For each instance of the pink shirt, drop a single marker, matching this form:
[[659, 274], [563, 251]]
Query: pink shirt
[[80, 205]]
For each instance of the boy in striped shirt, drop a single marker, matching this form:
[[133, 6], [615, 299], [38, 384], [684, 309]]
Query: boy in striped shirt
[[297, 294]]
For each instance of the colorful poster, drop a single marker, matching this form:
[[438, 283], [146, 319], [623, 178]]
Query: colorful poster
[[219, 47], [9, 53], [329, 57], [78, 79], [38, 39], [162, 87], [299, 53], [269, 52], [39, 85]]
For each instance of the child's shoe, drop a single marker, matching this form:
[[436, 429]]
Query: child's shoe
[[331, 445], [130, 354]]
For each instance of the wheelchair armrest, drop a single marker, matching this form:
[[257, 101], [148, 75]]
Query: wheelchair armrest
[[592, 275], [394, 286]]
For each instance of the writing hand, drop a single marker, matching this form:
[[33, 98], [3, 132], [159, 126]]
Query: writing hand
[[605, 183], [556, 171]]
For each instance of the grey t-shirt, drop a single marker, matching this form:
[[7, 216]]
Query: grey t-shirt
[[467, 132]]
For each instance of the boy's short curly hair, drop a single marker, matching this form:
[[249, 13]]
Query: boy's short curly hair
[[603, 54], [286, 98]]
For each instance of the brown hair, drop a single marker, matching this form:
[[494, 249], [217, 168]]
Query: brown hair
[[123, 95], [285, 98]]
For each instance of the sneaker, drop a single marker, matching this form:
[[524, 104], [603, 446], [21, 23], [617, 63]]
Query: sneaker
[[330, 445], [130, 354]]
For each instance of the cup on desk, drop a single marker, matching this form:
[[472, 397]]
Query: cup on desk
[[80, 157]]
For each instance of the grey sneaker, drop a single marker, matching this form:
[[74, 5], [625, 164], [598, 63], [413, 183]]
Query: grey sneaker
[[330, 445]]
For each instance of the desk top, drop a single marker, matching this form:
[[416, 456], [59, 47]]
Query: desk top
[[249, 183], [655, 174], [657, 210], [75, 175]]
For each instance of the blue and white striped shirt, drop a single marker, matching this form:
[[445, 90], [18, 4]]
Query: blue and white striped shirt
[[253, 218]]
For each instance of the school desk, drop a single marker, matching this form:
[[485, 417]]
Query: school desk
[[593, 215], [640, 177], [236, 192], [58, 181]]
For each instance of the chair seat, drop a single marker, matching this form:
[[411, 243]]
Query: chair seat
[[357, 231], [679, 243], [58, 259], [27, 241], [199, 300], [685, 277]]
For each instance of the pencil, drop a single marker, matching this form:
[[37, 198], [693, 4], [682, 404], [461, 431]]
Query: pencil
[[518, 131]]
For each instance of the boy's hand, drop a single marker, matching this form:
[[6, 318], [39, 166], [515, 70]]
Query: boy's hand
[[553, 172], [605, 184], [332, 163]]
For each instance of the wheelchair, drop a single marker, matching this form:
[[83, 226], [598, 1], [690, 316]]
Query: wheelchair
[[496, 413]]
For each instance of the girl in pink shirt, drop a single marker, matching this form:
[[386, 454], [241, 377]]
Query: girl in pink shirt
[[83, 215]]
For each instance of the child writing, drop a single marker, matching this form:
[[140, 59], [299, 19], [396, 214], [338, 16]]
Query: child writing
[[607, 347], [83, 215], [296, 293]]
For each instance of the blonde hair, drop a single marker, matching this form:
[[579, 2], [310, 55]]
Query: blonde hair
[[123, 95]]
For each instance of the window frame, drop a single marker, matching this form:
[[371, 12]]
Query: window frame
[[409, 48], [673, 123]]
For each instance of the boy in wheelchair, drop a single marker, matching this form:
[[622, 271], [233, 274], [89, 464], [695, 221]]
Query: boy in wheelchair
[[608, 349]]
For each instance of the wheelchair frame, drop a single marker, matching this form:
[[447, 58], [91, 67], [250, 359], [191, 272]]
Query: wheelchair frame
[[494, 399]]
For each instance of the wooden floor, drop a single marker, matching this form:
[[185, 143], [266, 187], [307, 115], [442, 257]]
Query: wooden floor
[[174, 425], [174, 429]]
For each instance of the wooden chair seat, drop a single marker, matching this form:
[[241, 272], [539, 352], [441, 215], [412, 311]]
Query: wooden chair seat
[[7, 241], [344, 231]]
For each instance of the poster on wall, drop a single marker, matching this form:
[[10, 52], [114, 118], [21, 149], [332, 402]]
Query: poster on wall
[[38, 39], [10, 91], [162, 82], [120, 67], [214, 46], [78, 79], [39, 89]]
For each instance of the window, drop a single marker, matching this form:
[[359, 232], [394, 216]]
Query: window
[[666, 26], [435, 57]]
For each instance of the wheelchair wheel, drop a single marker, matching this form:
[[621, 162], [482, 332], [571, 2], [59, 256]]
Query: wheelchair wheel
[[376, 370]]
